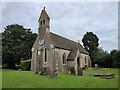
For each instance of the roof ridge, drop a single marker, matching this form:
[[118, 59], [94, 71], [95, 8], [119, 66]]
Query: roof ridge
[[66, 43], [43, 12], [64, 38]]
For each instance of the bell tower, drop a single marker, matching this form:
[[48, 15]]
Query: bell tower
[[44, 23]]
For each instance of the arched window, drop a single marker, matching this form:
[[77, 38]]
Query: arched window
[[45, 55], [78, 62], [43, 22], [64, 59]]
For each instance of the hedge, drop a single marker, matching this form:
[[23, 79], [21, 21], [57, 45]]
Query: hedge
[[26, 64]]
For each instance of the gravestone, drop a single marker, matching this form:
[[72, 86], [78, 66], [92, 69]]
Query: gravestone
[[96, 66], [72, 70], [80, 71]]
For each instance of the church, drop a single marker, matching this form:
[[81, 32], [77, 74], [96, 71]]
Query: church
[[56, 52]]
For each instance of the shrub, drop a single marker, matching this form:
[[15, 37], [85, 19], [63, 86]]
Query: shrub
[[116, 59], [25, 64], [18, 67]]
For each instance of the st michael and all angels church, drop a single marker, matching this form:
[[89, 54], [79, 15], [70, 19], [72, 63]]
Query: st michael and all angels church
[[56, 52]]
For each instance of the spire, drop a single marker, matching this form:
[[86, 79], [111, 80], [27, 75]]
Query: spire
[[44, 19], [43, 14]]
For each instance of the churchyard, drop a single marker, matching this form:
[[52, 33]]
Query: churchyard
[[28, 79]]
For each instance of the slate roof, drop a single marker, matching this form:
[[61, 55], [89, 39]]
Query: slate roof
[[61, 42], [64, 43]]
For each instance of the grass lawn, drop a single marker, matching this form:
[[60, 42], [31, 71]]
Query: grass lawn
[[0, 78], [27, 79]]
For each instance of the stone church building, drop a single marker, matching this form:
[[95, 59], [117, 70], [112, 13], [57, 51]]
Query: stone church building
[[56, 52]]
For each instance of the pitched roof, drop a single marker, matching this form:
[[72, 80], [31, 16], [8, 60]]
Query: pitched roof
[[61, 42], [64, 43], [44, 14]]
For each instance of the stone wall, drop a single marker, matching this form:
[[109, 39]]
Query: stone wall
[[59, 59]]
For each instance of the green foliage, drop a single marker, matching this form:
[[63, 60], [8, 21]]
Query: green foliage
[[116, 59], [17, 42], [28, 79], [103, 58], [1, 78], [26, 65], [113, 52], [100, 55], [18, 67], [90, 42], [108, 61]]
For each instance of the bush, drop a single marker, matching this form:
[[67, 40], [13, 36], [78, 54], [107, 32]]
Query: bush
[[116, 59], [18, 67], [26, 64]]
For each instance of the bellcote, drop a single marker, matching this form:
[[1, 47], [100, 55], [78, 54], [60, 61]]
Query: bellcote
[[44, 19]]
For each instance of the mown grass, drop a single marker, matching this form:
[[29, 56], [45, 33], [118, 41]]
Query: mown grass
[[27, 79], [0, 78]]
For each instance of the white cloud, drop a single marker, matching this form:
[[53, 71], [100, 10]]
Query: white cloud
[[60, 1], [71, 20]]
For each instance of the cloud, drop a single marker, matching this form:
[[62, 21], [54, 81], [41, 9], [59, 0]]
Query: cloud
[[68, 19]]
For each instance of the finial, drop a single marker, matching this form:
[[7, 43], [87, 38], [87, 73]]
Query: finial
[[44, 8]]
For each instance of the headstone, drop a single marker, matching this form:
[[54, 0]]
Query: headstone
[[72, 70], [91, 74], [96, 66], [53, 73], [80, 71]]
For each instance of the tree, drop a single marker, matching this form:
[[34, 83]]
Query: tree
[[100, 55], [116, 59], [17, 42], [108, 61], [103, 58], [113, 52], [90, 42]]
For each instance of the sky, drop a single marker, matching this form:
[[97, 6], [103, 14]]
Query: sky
[[68, 19]]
